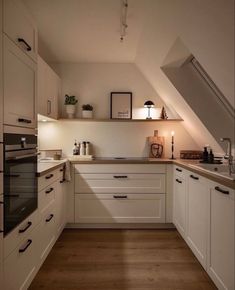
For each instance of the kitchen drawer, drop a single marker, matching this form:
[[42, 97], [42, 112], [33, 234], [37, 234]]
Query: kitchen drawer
[[21, 265], [46, 196], [120, 208], [16, 236], [47, 179], [179, 171], [120, 168], [19, 27], [119, 183], [46, 233]]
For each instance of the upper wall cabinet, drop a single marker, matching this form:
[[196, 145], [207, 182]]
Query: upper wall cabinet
[[49, 87], [19, 84], [19, 27]]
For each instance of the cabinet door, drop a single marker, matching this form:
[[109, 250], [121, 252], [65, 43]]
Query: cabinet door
[[52, 93], [121, 208], [19, 27], [61, 206], [197, 221], [179, 207], [21, 265], [19, 87], [221, 237], [42, 104]]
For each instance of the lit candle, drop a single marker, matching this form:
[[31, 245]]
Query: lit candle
[[172, 136]]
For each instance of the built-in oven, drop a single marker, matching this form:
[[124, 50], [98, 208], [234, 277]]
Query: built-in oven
[[20, 178]]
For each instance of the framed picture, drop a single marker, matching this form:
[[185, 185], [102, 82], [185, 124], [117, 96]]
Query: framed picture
[[121, 105]]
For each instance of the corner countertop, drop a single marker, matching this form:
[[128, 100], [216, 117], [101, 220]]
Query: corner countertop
[[187, 164], [46, 166]]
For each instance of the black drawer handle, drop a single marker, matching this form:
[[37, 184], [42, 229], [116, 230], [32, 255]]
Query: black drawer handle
[[177, 169], [29, 242], [177, 180], [221, 190], [49, 176], [120, 196], [194, 177], [21, 120], [49, 190], [62, 169], [25, 229], [28, 47], [120, 176], [50, 218], [62, 181]]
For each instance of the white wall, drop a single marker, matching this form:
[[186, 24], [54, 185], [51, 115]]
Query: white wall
[[111, 139], [92, 83], [207, 29]]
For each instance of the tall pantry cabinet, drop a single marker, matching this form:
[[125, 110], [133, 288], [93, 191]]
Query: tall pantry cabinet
[[19, 65]]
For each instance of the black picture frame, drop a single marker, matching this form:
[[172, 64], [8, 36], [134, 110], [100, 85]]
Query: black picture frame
[[121, 105]]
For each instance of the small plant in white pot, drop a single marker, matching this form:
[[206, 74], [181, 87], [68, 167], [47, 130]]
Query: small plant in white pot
[[70, 105], [87, 111]]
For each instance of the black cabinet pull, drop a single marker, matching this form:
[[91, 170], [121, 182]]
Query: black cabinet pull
[[49, 176], [62, 181], [21, 120], [28, 47], [120, 176], [194, 177], [120, 196], [25, 229], [177, 180], [221, 190], [50, 218], [177, 169], [29, 242], [49, 190], [61, 169]]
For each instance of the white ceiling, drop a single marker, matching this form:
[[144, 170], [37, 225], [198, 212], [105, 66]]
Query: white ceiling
[[86, 30]]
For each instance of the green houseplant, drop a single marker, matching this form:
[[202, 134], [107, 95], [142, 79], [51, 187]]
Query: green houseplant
[[70, 104], [87, 111]]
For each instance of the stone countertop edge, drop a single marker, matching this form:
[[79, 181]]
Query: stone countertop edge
[[46, 167], [185, 163]]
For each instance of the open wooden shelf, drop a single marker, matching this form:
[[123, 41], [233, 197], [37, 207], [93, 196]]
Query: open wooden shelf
[[120, 120]]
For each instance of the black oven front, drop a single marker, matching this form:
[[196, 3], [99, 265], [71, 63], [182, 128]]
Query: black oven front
[[20, 178]]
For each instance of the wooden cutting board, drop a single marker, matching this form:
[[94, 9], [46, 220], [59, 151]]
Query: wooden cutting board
[[152, 140]]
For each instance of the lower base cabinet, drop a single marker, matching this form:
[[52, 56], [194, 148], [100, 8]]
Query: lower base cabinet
[[197, 221], [221, 256], [20, 266], [126, 208]]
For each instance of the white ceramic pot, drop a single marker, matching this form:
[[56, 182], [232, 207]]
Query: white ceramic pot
[[87, 114], [70, 110]]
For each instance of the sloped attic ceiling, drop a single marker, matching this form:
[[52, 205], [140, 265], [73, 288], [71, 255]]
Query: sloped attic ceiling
[[88, 31], [207, 29]]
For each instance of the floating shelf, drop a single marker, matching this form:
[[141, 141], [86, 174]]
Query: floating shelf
[[121, 120]]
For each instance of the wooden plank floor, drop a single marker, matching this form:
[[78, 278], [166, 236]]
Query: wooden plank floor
[[121, 260]]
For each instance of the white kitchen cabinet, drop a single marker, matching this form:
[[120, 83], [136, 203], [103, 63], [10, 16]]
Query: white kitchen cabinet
[[61, 207], [196, 216], [47, 232], [179, 202], [19, 84], [49, 90], [220, 262], [123, 193], [21, 265], [121, 208], [19, 26]]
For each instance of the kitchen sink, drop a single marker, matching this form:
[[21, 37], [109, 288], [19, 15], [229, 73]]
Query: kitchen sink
[[218, 169]]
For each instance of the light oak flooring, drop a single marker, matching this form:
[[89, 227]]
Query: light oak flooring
[[121, 260]]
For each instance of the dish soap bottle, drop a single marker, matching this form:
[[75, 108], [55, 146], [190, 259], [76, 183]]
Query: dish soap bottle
[[211, 157], [205, 155]]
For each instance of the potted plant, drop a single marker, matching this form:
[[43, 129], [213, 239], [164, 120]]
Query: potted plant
[[70, 102], [87, 111]]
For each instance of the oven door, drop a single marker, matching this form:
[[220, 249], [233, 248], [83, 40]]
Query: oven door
[[20, 188]]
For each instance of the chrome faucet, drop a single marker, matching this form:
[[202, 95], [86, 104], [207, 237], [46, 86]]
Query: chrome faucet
[[228, 154]]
